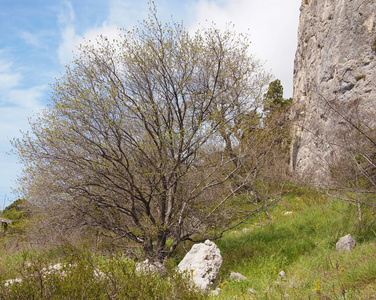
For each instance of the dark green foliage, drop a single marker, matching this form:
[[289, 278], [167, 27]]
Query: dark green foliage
[[17, 205], [273, 98], [276, 116], [275, 93]]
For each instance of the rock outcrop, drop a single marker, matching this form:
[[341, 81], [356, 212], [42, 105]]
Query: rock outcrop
[[335, 66], [202, 263]]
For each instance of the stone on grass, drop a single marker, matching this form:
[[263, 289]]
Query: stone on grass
[[237, 276], [202, 263], [215, 292], [282, 275], [346, 243], [252, 291]]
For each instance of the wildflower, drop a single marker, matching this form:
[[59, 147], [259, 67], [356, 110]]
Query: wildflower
[[318, 287]]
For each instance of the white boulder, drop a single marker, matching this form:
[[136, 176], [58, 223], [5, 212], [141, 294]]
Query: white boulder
[[346, 243], [202, 263]]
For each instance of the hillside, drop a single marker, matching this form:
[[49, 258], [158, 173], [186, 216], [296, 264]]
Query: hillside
[[301, 243]]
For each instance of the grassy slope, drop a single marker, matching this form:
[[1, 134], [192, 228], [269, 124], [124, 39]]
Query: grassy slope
[[301, 244]]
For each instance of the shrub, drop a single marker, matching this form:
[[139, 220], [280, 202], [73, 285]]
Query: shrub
[[84, 276]]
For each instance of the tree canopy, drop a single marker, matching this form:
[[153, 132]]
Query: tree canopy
[[145, 135]]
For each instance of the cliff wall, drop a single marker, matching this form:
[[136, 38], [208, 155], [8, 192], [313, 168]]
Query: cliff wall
[[335, 66]]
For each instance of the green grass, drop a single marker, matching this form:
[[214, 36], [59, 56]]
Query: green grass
[[302, 244]]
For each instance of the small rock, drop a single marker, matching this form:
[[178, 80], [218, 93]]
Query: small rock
[[288, 213], [346, 243], [237, 276], [252, 291], [282, 275], [215, 292]]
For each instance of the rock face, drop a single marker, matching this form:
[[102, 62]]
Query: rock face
[[202, 262], [335, 63], [346, 243]]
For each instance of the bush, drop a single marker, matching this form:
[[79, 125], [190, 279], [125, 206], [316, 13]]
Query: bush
[[84, 276]]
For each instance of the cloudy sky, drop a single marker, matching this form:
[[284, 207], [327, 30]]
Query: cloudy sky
[[37, 39]]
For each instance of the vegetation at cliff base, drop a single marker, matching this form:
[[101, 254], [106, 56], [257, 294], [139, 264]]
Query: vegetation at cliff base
[[298, 236]]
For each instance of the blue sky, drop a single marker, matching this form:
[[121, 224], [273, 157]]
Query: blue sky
[[38, 37]]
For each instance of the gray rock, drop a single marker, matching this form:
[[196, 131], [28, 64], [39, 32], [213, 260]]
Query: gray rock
[[282, 275], [202, 263], [346, 243], [237, 276], [335, 60], [252, 291]]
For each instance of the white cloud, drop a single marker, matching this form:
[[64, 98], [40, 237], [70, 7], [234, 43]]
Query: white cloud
[[66, 15], [18, 106], [126, 13], [16, 102], [15, 109], [71, 40], [5, 66], [8, 78], [31, 39], [272, 25], [28, 98]]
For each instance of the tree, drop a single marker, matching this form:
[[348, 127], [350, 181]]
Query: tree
[[276, 111], [273, 98], [134, 142]]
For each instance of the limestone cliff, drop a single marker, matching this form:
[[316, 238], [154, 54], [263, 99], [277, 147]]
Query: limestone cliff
[[335, 63]]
